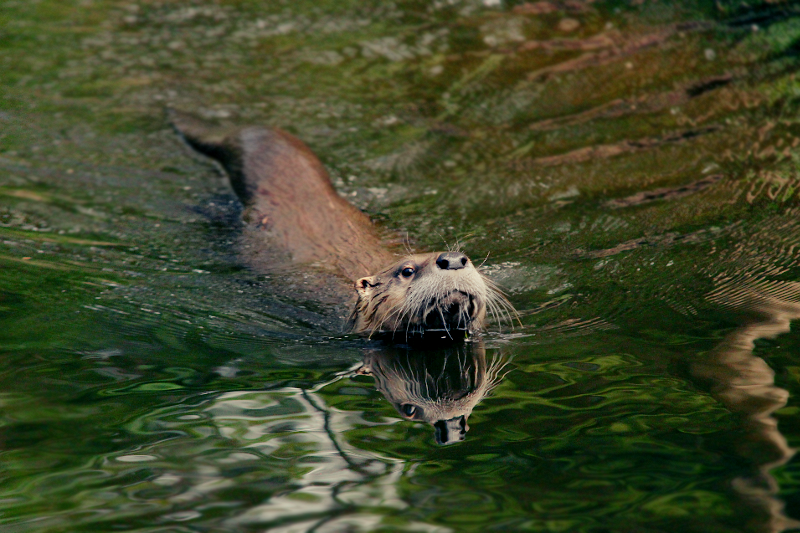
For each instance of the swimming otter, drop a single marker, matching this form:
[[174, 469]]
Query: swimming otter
[[294, 215]]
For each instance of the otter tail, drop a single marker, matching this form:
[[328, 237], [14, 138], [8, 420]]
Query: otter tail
[[221, 144], [203, 137]]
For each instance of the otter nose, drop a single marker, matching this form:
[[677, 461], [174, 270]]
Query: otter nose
[[451, 260]]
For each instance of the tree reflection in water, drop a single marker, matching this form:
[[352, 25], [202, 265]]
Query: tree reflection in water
[[745, 384], [326, 475]]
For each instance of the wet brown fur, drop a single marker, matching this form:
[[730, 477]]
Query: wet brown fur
[[288, 197]]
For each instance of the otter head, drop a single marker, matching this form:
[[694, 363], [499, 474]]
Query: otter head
[[438, 292]]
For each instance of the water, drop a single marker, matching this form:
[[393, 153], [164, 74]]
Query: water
[[627, 169]]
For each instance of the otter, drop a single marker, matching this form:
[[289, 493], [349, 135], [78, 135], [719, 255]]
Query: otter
[[294, 216]]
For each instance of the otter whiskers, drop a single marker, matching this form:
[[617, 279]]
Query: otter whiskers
[[434, 292]]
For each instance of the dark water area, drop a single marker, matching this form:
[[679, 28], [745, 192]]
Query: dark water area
[[628, 171]]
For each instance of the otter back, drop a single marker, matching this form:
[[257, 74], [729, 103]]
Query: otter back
[[291, 207]]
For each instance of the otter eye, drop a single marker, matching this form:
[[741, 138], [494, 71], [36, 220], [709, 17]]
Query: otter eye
[[408, 410], [407, 272]]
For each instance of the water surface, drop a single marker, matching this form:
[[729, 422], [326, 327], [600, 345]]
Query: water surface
[[628, 170]]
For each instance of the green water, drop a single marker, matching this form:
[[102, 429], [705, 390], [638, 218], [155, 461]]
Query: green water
[[629, 170]]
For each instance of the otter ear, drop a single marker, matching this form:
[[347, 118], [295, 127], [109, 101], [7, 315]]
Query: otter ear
[[364, 286]]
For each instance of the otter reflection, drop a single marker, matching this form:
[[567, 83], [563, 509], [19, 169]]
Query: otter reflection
[[439, 385], [745, 384]]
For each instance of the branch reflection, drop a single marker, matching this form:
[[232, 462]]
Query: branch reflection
[[745, 384]]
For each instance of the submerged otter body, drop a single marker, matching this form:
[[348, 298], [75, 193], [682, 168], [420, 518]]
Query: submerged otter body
[[293, 215], [289, 200]]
